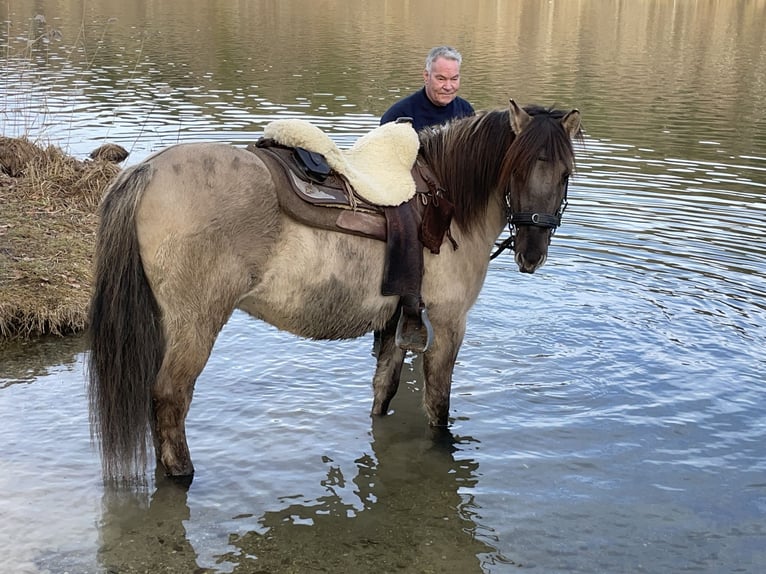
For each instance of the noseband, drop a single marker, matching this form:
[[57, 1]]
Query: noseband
[[529, 219]]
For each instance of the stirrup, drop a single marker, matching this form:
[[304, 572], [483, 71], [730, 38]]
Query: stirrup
[[413, 330]]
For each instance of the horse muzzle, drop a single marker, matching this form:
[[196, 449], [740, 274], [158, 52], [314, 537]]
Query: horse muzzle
[[531, 246], [529, 265]]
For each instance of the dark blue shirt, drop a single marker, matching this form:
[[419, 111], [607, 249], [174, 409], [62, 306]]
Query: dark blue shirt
[[424, 112]]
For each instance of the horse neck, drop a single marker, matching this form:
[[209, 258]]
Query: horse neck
[[467, 157]]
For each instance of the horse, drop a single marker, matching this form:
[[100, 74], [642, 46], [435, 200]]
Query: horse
[[195, 231]]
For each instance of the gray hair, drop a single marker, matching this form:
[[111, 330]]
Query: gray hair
[[447, 52]]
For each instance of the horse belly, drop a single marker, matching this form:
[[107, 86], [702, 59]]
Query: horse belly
[[322, 285]]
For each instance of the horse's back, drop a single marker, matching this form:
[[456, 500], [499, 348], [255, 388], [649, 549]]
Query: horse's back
[[207, 198]]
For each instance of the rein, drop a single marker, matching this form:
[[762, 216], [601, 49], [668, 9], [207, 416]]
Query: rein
[[529, 219]]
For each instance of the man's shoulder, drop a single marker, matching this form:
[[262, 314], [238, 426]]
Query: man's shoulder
[[406, 107], [418, 107], [463, 105]]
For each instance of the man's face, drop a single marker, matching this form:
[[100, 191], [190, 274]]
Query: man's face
[[443, 82]]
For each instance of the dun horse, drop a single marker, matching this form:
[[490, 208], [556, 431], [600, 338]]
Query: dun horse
[[196, 231]]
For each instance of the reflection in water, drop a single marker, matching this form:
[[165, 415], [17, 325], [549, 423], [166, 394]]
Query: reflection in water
[[24, 361], [690, 75], [415, 515], [143, 533], [413, 512]]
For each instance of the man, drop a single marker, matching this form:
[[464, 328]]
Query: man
[[437, 102]]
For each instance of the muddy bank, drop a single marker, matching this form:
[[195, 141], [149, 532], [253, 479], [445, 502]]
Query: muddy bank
[[47, 229]]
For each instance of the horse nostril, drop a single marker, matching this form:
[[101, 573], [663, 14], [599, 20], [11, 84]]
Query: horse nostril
[[529, 265], [524, 265]]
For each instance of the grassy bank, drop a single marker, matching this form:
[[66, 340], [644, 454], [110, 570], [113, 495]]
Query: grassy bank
[[47, 227]]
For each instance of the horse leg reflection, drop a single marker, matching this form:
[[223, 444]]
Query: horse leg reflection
[[139, 532], [409, 508]]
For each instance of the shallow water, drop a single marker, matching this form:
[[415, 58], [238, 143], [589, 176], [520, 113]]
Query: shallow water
[[608, 411]]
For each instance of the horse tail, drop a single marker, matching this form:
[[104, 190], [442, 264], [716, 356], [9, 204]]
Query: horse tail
[[125, 333]]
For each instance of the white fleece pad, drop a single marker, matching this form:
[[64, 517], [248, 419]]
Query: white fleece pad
[[378, 165]]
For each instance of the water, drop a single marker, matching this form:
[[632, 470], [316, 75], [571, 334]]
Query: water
[[607, 412]]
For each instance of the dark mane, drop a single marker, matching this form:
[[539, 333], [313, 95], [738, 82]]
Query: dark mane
[[486, 142], [480, 141]]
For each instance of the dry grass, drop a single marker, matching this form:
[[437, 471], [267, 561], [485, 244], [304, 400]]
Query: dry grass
[[47, 229]]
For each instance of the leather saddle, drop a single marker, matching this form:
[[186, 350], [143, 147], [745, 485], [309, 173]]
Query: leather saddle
[[318, 196]]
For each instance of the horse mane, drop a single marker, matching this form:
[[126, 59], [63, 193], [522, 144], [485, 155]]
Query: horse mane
[[487, 143], [480, 141]]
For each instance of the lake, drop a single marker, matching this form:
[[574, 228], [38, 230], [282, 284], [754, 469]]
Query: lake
[[607, 412]]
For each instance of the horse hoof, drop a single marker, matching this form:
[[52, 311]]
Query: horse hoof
[[179, 473], [182, 480]]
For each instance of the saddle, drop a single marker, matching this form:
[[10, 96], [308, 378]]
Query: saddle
[[318, 194], [377, 166]]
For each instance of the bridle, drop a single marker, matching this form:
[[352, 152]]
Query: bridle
[[529, 219]]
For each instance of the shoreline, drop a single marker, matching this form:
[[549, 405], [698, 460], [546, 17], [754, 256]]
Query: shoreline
[[47, 232]]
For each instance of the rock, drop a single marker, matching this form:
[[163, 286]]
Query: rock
[[110, 152]]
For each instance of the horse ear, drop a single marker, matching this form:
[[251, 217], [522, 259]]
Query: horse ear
[[519, 118], [571, 123]]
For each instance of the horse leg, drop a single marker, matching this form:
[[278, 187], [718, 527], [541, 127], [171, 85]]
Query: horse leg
[[389, 368], [186, 355], [438, 364], [196, 301]]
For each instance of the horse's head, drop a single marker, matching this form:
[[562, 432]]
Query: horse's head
[[537, 169]]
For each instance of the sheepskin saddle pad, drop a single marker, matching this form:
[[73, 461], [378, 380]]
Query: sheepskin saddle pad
[[378, 165]]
